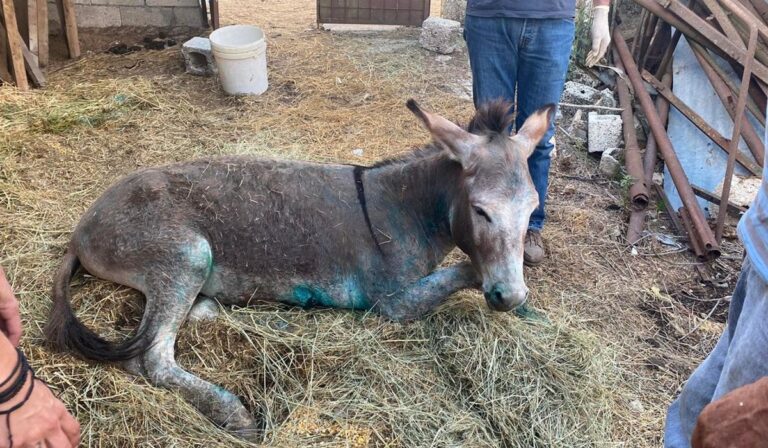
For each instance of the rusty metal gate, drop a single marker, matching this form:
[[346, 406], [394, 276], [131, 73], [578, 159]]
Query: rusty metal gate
[[373, 12]]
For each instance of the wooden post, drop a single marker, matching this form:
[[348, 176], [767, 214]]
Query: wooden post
[[69, 26], [42, 32], [5, 73], [14, 45], [32, 36]]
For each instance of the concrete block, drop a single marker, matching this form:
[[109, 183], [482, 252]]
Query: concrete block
[[95, 16], [603, 132], [610, 164], [198, 57], [743, 190], [188, 16], [146, 16], [174, 3], [577, 93], [440, 35], [118, 2], [454, 10]]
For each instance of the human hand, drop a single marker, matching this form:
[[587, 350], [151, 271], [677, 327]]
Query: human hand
[[601, 34], [738, 419], [42, 421], [10, 319]]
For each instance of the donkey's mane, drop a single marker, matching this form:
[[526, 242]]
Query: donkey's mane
[[491, 119]]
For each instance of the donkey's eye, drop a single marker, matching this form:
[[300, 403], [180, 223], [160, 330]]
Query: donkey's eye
[[482, 213]]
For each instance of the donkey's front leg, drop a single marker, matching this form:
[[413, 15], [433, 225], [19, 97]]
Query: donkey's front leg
[[425, 294]]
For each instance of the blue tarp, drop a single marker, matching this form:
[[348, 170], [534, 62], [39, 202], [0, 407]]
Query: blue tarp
[[703, 161]]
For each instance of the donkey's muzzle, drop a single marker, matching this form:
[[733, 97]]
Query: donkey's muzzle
[[503, 298]]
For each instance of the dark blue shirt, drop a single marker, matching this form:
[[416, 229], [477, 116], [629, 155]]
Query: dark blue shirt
[[523, 9]]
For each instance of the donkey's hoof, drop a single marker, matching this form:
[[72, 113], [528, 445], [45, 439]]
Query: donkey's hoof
[[204, 310], [251, 431]]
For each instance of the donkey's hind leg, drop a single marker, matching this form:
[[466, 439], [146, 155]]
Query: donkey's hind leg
[[171, 292]]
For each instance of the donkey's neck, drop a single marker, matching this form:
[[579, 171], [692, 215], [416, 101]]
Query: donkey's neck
[[421, 191]]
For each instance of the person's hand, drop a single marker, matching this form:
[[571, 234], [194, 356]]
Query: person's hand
[[10, 319], [42, 421], [738, 419], [601, 34]]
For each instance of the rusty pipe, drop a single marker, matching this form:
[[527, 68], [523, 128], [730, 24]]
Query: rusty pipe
[[698, 29], [737, 123], [754, 142], [638, 191], [637, 218], [665, 147]]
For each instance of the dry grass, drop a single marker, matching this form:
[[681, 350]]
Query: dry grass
[[462, 377]]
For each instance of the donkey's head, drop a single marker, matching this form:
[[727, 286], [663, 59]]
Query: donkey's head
[[495, 195]]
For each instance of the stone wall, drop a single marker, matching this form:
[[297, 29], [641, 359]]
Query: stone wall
[[112, 13]]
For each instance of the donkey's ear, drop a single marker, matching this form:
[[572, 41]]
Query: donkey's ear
[[449, 136], [534, 128]]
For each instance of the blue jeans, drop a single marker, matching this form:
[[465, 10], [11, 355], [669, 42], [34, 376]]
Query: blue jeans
[[739, 358], [532, 55]]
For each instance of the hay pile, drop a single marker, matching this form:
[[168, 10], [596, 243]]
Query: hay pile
[[463, 377]]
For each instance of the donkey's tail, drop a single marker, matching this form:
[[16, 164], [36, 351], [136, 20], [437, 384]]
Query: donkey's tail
[[65, 331]]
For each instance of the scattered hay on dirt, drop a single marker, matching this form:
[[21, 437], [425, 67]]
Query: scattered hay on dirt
[[462, 377]]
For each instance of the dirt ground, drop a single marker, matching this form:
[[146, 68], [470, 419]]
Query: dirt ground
[[644, 318]]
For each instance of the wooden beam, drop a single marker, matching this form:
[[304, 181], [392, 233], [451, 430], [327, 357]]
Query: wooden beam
[[32, 68], [42, 32], [5, 73], [32, 36], [14, 44], [69, 26]]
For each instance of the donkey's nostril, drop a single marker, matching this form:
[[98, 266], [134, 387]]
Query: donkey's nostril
[[497, 295]]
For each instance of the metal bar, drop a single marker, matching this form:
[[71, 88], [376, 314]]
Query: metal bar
[[736, 209], [749, 134], [665, 147], [754, 107], [696, 245], [699, 30], [723, 20], [639, 33], [638, 192], [673, 216], [700, 123], [746, 16], [667, 58], [740, 106]]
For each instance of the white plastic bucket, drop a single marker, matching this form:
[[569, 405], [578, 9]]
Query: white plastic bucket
[[241, 57]]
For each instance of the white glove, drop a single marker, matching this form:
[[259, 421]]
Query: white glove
[[601, 34]]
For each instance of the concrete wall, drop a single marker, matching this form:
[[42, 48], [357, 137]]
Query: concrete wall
[[110, 13]]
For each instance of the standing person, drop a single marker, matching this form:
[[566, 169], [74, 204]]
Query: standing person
[[30, 415], [740, 356], [525, 46]]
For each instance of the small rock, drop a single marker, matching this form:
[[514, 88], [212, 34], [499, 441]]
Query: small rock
[[577, 93], [440, 35], [443, 58], [604, 131], [607, 100], [636, 406], [454, 10], [634, 252], [358, 152], [658, 179], [609, 163]]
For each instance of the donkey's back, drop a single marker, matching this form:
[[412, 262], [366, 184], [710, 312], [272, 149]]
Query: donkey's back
[[264, 228]]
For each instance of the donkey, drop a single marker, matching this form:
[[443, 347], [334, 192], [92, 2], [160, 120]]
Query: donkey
[[240, 228]]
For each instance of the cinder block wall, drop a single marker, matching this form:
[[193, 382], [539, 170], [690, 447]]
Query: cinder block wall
[[111, 13]]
